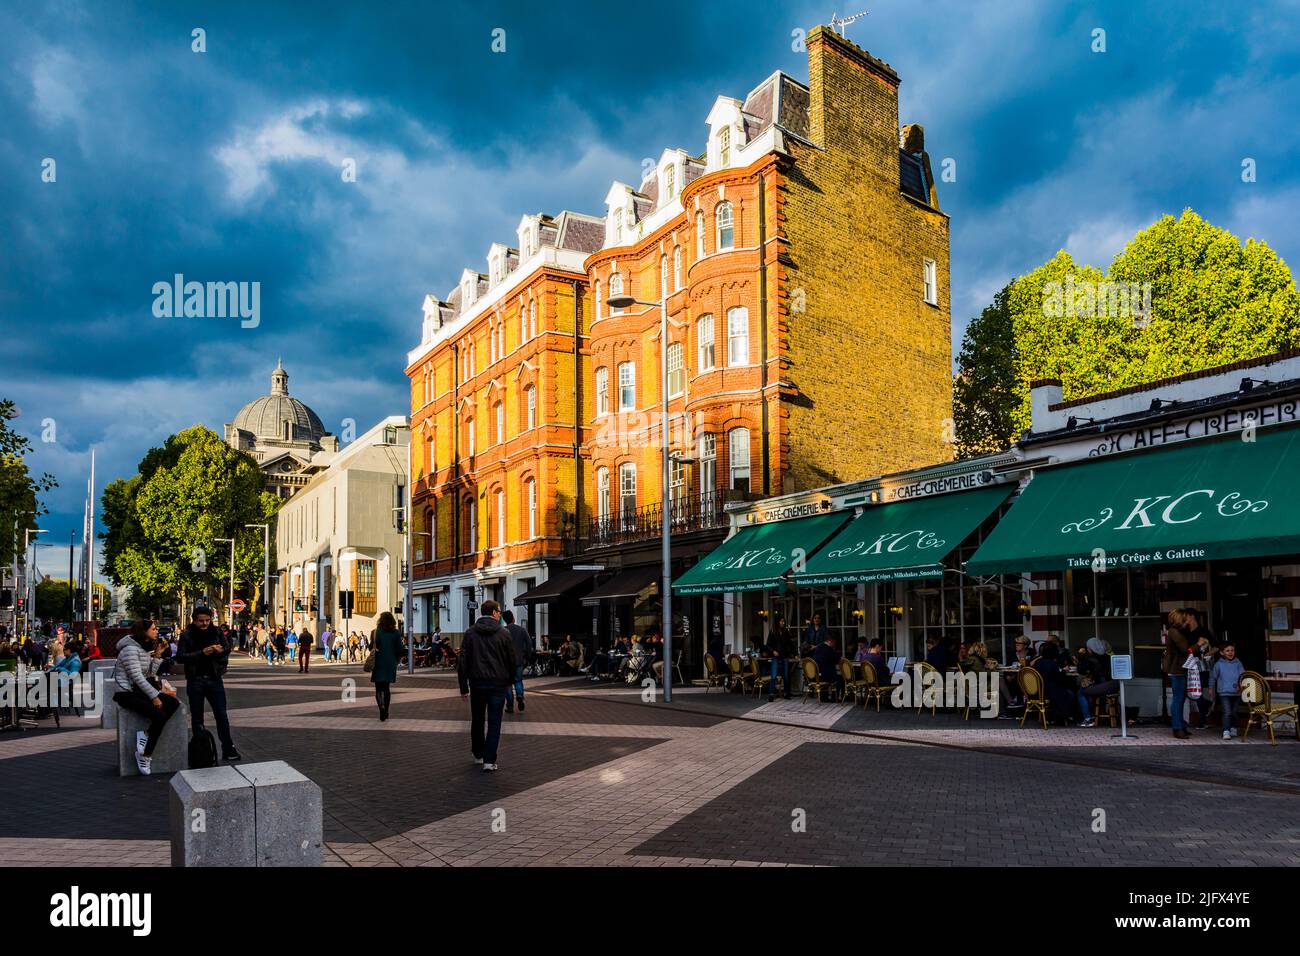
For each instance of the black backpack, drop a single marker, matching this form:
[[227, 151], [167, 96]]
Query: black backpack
[[203, 749]]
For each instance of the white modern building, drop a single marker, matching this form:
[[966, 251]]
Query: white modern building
[[340, 532]]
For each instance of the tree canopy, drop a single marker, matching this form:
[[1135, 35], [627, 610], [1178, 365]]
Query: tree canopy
[[19, 490], [1182, 296]]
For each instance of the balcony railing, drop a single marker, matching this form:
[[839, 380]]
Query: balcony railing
[[685, 514]]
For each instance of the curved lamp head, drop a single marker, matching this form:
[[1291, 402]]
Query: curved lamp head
[[620, 301]]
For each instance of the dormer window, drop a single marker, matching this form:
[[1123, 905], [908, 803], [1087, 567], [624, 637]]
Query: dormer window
[[670, 184], [618, 225], [724, 146], [615, 289]]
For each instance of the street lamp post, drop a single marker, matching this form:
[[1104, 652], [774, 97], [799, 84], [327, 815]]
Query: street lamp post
[[27, 579], [666, 589], [230, 614], [266, 567]]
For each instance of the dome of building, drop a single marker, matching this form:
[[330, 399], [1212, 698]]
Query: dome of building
[[265, 417]]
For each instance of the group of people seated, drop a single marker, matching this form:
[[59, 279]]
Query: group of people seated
[[60, 654], [627, 658]]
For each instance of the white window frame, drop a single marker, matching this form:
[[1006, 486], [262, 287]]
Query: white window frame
[[626, 387], [615, 289], [699, 236], [664, 288], [708, 465], [737, 336], [532, 319], [531, 496], [470, 440], [724, 228], [501, 422], [602, 390], [677, 374], [738, 457], [724, 146], [627, 493], [677, 268], [930, 279], [603, 499], [706, 345], [531, 396], [501, 518]]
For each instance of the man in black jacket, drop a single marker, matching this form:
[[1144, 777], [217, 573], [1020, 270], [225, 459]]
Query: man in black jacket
[[205, 651], [523, 647], [485, 667]]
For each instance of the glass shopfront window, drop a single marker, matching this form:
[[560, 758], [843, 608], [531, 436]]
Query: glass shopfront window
[[1121, 607]]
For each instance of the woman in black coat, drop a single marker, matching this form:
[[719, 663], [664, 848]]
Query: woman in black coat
[[388, 651]]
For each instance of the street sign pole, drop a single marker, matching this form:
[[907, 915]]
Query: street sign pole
[[1121, 669]]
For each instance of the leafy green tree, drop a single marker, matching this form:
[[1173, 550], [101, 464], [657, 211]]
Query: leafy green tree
[[1182, 296], [19, 490], [163, 523]]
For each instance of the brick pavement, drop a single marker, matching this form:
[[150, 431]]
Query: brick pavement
[[591, 774]]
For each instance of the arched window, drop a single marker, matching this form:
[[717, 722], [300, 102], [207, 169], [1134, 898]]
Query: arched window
[[670, 184], [704, 338], [602, 391], [664, 288], [501, 422], [738, 445], [724, 146], [677, 268], [626, 387], [708, 468], [676, 370], [530, 495], [738, 336], [618, 226], [530, 395], [501, 518], [699, 236], [602, 493], [726, 237], [615, 289]]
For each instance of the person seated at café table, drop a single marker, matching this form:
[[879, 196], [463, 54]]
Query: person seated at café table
[[814, 636], [875, 656], [1059, 691], [1094, 677], [827, 655], [936, 653], [977, 658]]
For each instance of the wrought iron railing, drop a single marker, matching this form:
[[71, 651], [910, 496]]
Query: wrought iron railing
[[685, 514]]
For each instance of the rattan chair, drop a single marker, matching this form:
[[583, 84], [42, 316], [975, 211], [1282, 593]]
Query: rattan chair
[[1258, 696], [812, 680], [926, 668], [1035, 693], [737, 675], [850, 684], [712, 676], [873, 689], [760, 679]]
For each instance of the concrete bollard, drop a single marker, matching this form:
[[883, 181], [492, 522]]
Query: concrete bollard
[[172, 752], [211, 818], [259, 814], [290, 815], [107, 717]]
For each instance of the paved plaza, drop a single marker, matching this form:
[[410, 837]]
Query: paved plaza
[[595, 775]]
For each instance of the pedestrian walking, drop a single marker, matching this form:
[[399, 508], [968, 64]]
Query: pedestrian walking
[[388, 651], [485, 667], [305, 643], [1172, 664], [523, 646], [205, 653]]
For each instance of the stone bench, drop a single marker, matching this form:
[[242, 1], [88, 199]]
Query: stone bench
[[172, 752], [258, 814]]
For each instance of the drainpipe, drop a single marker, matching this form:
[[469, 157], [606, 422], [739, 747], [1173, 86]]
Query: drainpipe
[[762, 334], [577, 412], [455, 458]]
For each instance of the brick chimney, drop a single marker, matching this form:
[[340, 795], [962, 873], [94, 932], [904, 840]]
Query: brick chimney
[[853, 101]]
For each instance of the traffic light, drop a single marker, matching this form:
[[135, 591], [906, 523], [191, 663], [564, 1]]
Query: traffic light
[[345, 603], [22, 605]]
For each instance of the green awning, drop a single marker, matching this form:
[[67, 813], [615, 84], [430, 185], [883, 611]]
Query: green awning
[[902, 541], [1231, 497], [755, 558]]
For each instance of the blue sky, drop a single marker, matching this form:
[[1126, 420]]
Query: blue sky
[[225, 166]]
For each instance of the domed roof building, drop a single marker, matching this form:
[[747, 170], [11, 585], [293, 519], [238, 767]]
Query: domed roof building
[[284, 435]]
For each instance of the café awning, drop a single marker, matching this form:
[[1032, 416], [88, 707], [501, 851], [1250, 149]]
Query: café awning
[[901, 541], [756, 558], [1230, 497], [625, 585], [558, 585]]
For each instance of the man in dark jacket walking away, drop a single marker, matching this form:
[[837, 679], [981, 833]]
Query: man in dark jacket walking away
[[305, 643], [486, 666], [205, 651], [523, 646]]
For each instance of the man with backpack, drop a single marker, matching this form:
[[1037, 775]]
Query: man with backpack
[[523, 647], [205, 652]]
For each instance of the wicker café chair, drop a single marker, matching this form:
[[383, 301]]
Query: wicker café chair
[[851, 685], [812, 680], [1035, 693], [760, 680], [738, 675], [873, 689], [925, 667], [712, 676], [1258, 696]]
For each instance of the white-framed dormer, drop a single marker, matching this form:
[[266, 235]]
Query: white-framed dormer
[[432, 318], [468, 289], [620, 215], [498, 263], [726, 132], [672, 172], [529, 235]]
